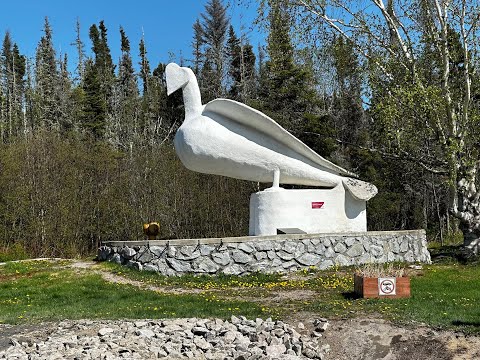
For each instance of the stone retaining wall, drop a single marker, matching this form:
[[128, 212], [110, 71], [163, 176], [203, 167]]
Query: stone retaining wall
[[267, 254]]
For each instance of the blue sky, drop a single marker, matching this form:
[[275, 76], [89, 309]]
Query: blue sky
[[167, 25]]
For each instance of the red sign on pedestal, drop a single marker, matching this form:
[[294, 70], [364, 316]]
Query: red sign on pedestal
[[317, 204]]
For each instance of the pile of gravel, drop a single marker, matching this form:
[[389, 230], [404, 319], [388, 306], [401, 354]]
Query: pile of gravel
[[192, 338]]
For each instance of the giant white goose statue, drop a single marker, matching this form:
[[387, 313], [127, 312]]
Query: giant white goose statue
[[225, 137]]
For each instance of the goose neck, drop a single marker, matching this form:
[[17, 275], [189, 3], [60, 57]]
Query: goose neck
[[192, 98]]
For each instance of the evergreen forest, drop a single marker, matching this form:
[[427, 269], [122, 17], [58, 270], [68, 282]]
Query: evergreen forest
[[87, 155]]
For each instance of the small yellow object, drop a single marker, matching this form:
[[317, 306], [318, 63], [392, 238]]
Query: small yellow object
[[151, 230]]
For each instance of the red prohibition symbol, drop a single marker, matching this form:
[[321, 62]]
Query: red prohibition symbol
[[387, 286]]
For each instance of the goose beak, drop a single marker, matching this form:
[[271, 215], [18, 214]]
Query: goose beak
[[175, 77]]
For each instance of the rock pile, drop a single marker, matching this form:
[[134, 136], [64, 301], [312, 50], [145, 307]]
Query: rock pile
[[193, 338]]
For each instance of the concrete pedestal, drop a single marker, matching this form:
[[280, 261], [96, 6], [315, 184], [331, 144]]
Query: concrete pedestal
[[312, 210]]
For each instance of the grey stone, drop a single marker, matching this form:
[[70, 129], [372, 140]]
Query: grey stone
[[172, 349], [289, 246], [157, 250], [259, 266], [306, 242], [311, 353], [205, 265], [116, 258], [325, 264], [233, 269], [105, 331], [367, 246], [376, 250], [199, 330], [221, 258], [311, 248], [300, 250], [144, 333], [289, 264], [309, 259], [134, 265], [329, 253], [260, 255], [265, 245], [340, 248], [275, 351], [229, 337], [409, 256], [416, 248], [145, 256], [349, 241], [206, 249], [171, 251], [246, 248], [161, 264], [187, 253], [315, 242], [272, 255], [364, 259], [342, 260], [404, 245], [103, 253], [150, 267], [395, 246], [128, 253], [282, 254], [235, 320], [276, 262], [180, 265], [320, 249], [327, 242], [390, 256], [355, 250], [240, 257]]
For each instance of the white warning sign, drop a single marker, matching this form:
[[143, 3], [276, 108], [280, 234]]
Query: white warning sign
[[387, 286]]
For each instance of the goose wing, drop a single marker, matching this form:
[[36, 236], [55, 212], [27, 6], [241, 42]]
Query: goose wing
[[255, 119]]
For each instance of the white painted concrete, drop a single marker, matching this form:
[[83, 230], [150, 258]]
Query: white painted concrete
[[225, 137], [231, 139], [340, 212]]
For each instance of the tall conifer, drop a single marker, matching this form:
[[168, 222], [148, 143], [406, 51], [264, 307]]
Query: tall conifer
[[46, 80]]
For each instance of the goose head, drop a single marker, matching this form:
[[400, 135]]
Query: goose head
[[177, 77]]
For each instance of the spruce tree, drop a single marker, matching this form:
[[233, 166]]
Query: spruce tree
[[80, 52], [214, 33], [65, 103], [6, 87], [46, 80], [104, 77], [126, 116], [16, 90], [144, 65], [197, 46], [241, 67], [288, 90], [103, 61], [94, 109]]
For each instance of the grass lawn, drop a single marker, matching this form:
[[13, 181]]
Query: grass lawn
[[443, 296], [39, 291]]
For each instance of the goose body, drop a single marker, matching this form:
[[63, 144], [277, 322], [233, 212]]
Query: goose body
[[228, 138]]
